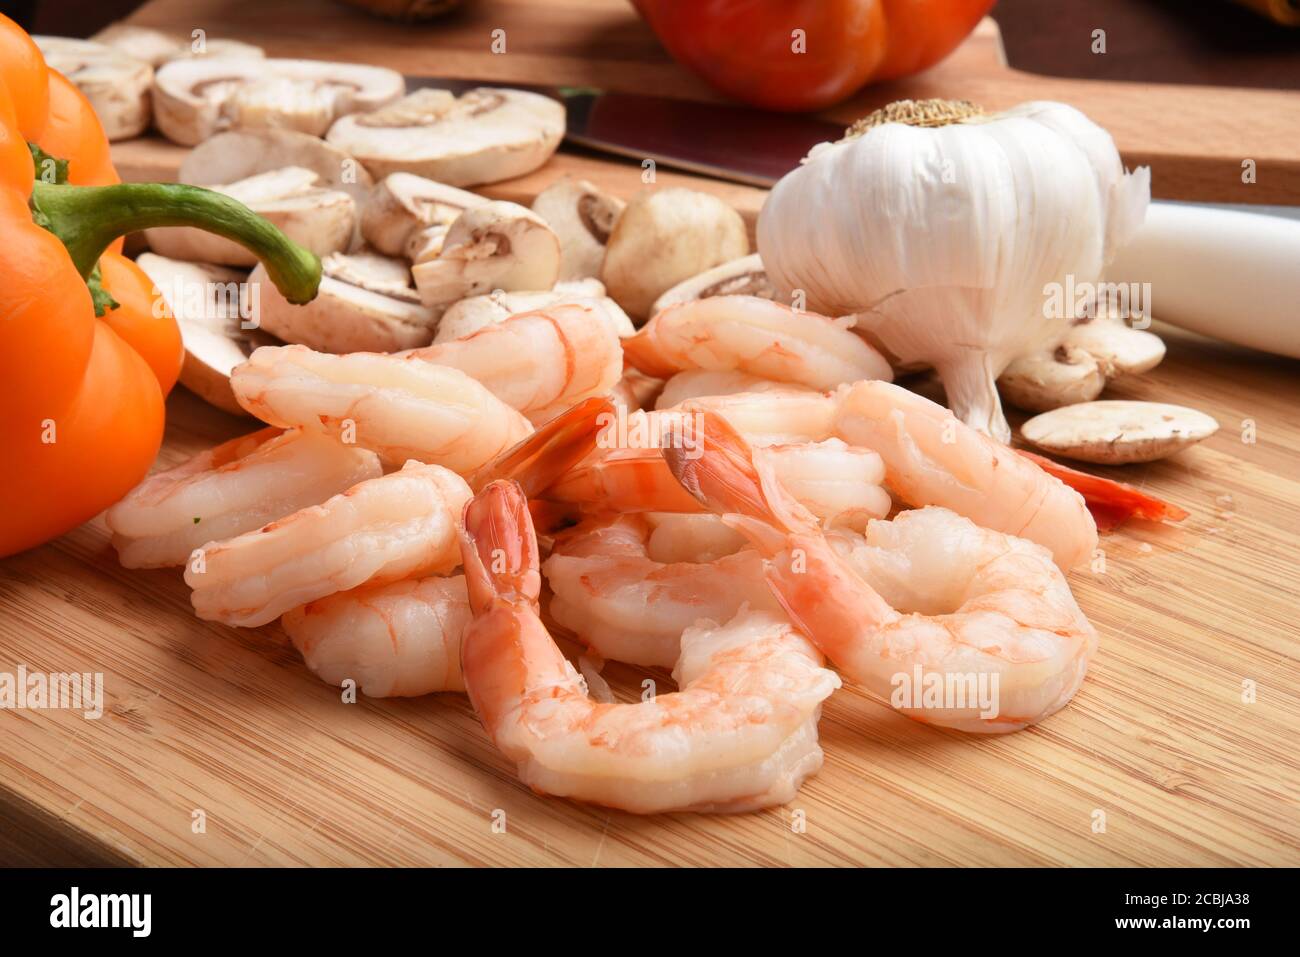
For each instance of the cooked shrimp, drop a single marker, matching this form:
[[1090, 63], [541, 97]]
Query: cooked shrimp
[[379, 530], [400, 408], [755, 336], [697, 383], [933, 458], [236, 487], [400, 639], [540, 362], [984, 615], [403, 638], [839, 483], [635, 390], [628, 607], [741, 733], [690, 537]]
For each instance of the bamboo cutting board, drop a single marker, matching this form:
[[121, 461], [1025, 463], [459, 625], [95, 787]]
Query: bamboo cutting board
[[1160, 760]]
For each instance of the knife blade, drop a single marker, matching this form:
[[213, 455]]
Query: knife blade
[[734, 143]]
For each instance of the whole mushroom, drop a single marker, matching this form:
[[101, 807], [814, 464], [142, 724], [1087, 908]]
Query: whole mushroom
[[663, 237]]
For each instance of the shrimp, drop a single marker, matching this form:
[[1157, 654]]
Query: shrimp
[[690, 537], [755, 336], [929, 594], [839, 483], [741, 733], [628, 607], [400, 408], [933, 458], [400, 639], [236, 487], [698, 383], [379, 530], [540, 362], [635, 390], [403, 638]]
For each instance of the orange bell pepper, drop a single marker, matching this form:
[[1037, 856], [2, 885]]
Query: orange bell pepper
[[87, 352], [749, 49]]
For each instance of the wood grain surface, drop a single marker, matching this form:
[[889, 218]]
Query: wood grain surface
[[228, 723], [201, 717], [1195, 138]]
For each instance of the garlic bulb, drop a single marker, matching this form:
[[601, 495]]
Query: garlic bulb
[[943, 230]]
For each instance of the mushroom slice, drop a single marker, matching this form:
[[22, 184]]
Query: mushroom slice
[[1049, 380], [1118, 348], [400, 210], [740, 277], [156, 48], [215, 322], [486, 135], [470, 315], [663, 237], [116, 85], [366, 303], [1115, 432], [498, 245], [583, 216], [320, 219], [195, 98], [1093, 352]]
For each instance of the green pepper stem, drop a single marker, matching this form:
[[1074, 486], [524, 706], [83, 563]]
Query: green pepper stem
[[87, 218]]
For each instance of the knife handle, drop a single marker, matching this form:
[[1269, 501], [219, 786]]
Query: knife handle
[[1231, 275]]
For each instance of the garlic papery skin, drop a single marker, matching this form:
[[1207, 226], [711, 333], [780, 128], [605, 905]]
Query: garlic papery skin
[[944, 241]]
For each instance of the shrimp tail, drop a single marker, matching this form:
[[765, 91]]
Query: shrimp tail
[[499, 548], [1110, 502], [718, 467], [557, 446]]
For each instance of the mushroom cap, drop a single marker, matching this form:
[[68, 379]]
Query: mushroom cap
[[1115, 432], [498, 245], [739, 277], [323, 220], [195, 98], [207, 302], [403, 204], [117, 85], [664, 237], [583, 217], [366, 303], [486, 135], [156, 47]]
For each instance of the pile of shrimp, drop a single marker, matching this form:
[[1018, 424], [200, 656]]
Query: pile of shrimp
[[737, 492]]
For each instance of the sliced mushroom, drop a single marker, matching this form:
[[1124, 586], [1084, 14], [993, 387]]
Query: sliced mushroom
[[215, 324], [402, 208], [320, 219], [472, 314], [195, 98], [156, 48], [663, 237], [486, 135], [366, 303], [117, 85], [1093, 352], [239, 154], [583, 216], [498, 245], [740, 277], [1114, 432]]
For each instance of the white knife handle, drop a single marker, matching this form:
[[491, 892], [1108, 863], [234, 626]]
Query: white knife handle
[[1234, 276]]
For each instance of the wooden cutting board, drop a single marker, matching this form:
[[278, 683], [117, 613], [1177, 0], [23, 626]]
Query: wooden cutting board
[[1158, 761], [1195, 138]]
